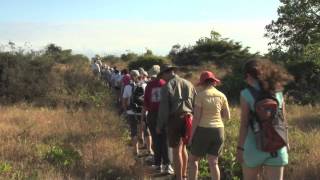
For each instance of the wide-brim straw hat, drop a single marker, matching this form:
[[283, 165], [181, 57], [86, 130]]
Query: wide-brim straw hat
[[167, 67]]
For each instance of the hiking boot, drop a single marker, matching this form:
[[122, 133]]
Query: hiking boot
[[168, 169]]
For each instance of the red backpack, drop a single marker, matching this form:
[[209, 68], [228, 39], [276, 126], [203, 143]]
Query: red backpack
[[267, 122]]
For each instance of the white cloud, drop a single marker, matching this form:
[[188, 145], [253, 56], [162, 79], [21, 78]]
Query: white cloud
[[114, 37]]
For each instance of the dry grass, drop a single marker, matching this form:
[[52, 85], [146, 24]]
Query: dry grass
[[305, 142], [27, 135]]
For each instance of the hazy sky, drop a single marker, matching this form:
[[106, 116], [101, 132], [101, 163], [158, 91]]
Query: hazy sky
[[112, 27]]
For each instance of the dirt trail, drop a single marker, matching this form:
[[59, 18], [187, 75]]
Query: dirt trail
[[146, 171]]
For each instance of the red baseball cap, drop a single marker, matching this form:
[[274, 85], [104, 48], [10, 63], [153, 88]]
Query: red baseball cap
[[207, 75]]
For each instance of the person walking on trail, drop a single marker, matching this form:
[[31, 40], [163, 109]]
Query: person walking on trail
[[145, 134], [263, 114], [132, 104], [207, 134], [95, 67], [176, 106], [126, 79], [108, 74], [152, 98]]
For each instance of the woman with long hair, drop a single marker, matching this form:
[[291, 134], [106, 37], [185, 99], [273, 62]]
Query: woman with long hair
[[261, 76]]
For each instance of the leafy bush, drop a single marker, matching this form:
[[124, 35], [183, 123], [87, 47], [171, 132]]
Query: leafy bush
[[5, 167], [129, 56], [23, 72], [305, 88], [222, 52], [63, 157], [50, 78], [146, 61], [231, 86]]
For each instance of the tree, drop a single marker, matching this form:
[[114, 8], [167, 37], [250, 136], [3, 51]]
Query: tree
[[53, 50], [129, 56], [295, 36], [146, 62], [214, 49], [297, 25], [174, 50], [148, 52], [312, 53]]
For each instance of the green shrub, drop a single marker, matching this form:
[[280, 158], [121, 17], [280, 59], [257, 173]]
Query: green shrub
[[5, 167], [220, 51], [305, 88], [231, 86], [50, 78], [23, 77], [146, 62], [129, 56], [63, 157]]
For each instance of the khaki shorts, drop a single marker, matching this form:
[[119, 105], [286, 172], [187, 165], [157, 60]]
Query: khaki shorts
[[207, 141], [176, 130]]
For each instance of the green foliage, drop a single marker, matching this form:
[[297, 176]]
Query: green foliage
[[85, 91], [146, 61], [204, 168], [230, 167], [312, 53], [148, 52], [129, 56], [110, 59], [25, 72], [63, 157], [53, 50], [222, 52], [296, 26], [231, 86], [305, 88], [306, 71], [5, 167], [55, 77], [63, 56]]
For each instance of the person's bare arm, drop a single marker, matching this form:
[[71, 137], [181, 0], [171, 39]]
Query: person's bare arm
[[225, 112], [196, 120], [244, 121]]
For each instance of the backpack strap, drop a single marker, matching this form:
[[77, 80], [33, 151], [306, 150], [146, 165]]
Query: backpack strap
[[254, 93], [259, 94], [132, 91]]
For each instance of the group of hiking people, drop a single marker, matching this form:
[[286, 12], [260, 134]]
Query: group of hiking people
[[165, 110]]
